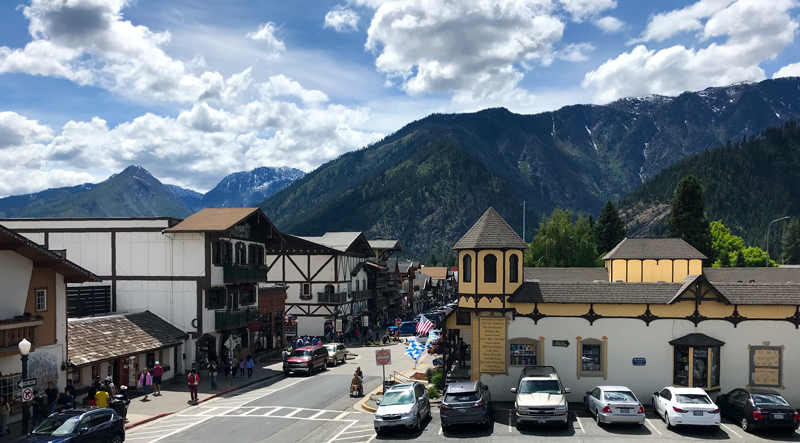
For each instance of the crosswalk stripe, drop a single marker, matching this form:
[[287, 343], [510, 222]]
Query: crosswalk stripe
[[272, 412]]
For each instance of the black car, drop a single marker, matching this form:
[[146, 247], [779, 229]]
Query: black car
[[79, 425], [466, 402], [759, 408]]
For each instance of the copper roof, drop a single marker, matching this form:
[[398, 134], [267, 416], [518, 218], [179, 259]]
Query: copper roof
[[491, 232], [653, 249], [213, 220]]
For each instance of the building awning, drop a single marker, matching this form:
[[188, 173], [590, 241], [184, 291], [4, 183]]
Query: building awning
[[92, 340], [697, 340]]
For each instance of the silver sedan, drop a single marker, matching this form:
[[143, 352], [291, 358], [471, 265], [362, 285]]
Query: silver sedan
[[337, 353], [614, 404]]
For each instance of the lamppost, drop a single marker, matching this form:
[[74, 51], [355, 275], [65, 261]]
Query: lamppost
[[24, 349], [768, 228]]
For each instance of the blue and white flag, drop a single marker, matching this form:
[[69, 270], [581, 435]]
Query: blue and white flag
[[415, 350], [432, 337]]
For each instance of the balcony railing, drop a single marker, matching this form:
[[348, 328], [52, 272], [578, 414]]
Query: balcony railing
[[361, 295], [339, 297], [244, 274], [235, 319], [12, 331]]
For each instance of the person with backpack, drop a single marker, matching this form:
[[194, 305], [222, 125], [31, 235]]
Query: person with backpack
[[193, 379]]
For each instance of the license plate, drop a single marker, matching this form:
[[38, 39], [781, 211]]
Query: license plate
[[777, 416], [698, 413], [542, 421], [462, 410], [624, 410], [391, 423]]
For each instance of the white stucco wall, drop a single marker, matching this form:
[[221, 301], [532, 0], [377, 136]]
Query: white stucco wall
[[175, 301], [628, 338], [90, 250], [15, 275]]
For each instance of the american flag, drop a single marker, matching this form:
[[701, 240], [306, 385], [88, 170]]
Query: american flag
[[424, 325]]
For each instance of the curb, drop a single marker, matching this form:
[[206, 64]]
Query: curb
[[366, 398], [156, 417]]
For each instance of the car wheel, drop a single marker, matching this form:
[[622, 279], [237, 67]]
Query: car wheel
[[117, 438], [745, 425], [418, 428], [344, 359], [286, 373], [666, 421], [586, 406], [325, 366], [597, 419], [334, 361]]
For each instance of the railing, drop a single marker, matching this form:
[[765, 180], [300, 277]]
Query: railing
[[85, 301], [235, 319], [239, 273], [339, 297], [361, 295], [12, 331]]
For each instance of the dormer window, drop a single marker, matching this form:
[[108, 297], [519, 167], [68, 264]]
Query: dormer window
[[467, 269], [513, 269], [490, 269]]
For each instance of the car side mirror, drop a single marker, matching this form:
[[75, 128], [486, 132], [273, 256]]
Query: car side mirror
[[567, 391], [656, 394], [83, 431], [378, 402], [513, 390], [588, 392]]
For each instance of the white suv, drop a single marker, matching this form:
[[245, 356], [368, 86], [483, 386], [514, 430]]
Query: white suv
[[541, 399]]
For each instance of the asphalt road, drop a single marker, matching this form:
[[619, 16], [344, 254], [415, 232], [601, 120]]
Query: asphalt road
[[318, 409]]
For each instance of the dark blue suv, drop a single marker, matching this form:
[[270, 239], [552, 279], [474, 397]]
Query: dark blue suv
[[79, 425]]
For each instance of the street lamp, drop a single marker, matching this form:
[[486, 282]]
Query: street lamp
[[768, 228], [24, 349]]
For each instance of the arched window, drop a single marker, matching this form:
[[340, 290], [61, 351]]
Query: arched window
[[513, 269], [490, 268], [329, 289], [467, 269], [357, 285]]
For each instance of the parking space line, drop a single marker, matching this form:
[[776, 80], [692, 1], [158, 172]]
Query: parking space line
[[509, 420], [440, 430], [647, 420], [728, 428], [181, 429], [348, 438], [358, 431], [580, 424]]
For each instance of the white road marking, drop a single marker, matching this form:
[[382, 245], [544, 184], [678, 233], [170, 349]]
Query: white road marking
[[343, 430], [291, 414], [271, 412], [729, 429], [180, 430], [358, 431], [580, 424], [360, 426], [510, 414], [652, 426], [440, 430], [341, 416]]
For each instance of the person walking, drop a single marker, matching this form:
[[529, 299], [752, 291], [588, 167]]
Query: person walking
[[52, 397], [241, 368], [102, 398], [68, 399], [145, 381], [5, 411], [234, 366], [462, 354], [158, 372], [250, 365], [314, 342], [226, 366], [193, 379], [212, 374], [357, 336], [285, 354]]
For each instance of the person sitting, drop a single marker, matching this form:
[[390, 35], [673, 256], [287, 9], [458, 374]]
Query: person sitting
[[356, 388]]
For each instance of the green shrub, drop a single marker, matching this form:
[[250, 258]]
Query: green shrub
[[433, 393], [438, 381], [430, 372]]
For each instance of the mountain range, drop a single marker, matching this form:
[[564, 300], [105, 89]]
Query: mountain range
[[134, 192]]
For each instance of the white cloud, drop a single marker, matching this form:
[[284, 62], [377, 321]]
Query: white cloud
[[576, 52], [753, 34], [266, 34], [469, 47], [282, 86], [609, 24], [792, 70], [342, 19], [668, 24], [583, 9]]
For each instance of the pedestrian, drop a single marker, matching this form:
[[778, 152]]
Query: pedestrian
[[52, 397], [5, 411], [96, 383], [226, 366], [299, 342], [212, 374], [285, 354], [462, 353], [357, 336], [369, 334], [250, 365], [90, 395], [145, 381], [193, 379], [38, 409], [241, 367], [102, 398], [314, 341], [158, 372], [68, 399], [70, 387], [111, 388]]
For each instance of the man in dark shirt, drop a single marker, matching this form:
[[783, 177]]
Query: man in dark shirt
[[52, 396], [38, 408], [70, 387], [462, 353]]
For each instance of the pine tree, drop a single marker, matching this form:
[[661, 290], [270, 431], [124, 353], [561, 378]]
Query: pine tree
[[791, 243], [688, 216], [609, 229], [724, 260], [740, 263]]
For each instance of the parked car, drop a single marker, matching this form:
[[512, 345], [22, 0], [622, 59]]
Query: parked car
[[337, 353], [89, 424], [686, 406], [402, 406], [540, 397], [466, 402], [614, 404], [759, 408], [306, 359], [406, 328]]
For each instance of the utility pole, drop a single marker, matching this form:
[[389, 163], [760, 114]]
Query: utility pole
[[766, 265]]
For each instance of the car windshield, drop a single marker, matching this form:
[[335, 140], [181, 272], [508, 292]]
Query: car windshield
[[769, 400], [299, 353], [692, 399], [621, 396], [539, 386], [331, 348], [58, 425], [404, 397], [461, 397]]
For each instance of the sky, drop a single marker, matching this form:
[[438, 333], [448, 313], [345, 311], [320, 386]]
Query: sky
[[195, 90]]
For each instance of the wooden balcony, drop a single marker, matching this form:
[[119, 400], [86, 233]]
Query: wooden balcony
[[233, 274], [361, 295], [12, 331], [224, 320], [338, 297]]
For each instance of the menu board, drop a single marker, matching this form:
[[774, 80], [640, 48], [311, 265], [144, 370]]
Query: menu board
[[767, 357], [766, 377], [492, 345], [766, 368]]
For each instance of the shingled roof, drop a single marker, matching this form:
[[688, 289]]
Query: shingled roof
[[490, 232], [612, 293], [213, 220], [760, 293], [752, 275], [97, 339], [654, 249]]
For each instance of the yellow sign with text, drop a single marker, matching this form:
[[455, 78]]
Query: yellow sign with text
[[492, 345]]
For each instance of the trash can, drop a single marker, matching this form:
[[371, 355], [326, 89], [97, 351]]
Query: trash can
[[120, 405]]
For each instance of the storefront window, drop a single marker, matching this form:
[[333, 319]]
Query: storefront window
[[700, 368], [714, 370], [591, 358], [681, 366], [525, 352], [696, 361]]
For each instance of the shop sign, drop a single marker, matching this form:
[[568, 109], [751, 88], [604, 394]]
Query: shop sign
[[492, 355], [365, 321], [254, 326], [639, 361], [338, 324], [560, 343]]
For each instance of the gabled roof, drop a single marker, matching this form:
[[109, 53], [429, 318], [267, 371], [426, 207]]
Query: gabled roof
[[97, 339], [436, 272], [752, 275], [697, 340], [760, 293], [490, 232], [654, 249], [348, 242], [393, 245], [42, 257], [565, 275], [213, 220]]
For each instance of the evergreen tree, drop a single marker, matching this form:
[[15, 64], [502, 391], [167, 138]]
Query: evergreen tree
[[609, 229], [724, 260], [560, 243], [740, 263], [791, 242], [688, 216]]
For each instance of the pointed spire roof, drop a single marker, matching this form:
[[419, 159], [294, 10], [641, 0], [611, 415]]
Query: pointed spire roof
[[490, 232]]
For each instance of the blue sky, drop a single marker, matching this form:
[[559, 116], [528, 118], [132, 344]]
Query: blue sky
[[193, 91]]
